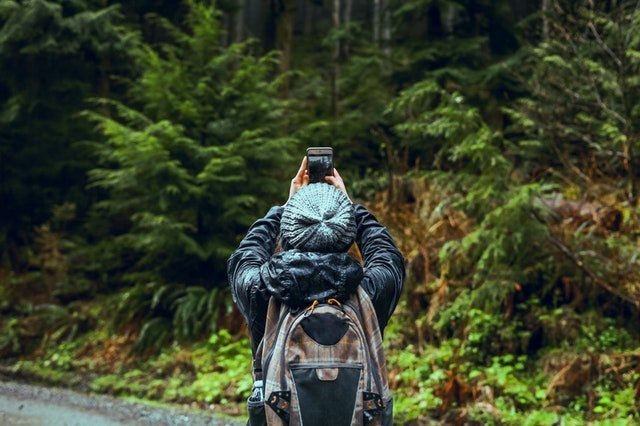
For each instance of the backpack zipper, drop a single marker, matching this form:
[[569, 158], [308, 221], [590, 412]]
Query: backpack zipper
[[299, 365], [372, 371]]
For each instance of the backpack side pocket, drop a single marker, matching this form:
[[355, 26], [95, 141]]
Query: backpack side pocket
[[256, 413], [255, 406]]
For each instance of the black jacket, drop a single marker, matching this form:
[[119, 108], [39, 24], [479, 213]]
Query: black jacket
[[297, 278]]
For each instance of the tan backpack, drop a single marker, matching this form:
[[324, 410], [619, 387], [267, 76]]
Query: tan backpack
[[323, 365]]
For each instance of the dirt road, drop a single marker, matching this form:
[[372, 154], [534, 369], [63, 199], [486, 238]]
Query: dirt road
[[28, 405]]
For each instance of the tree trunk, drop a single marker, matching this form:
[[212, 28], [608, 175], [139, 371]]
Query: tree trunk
[[335, 88], [104, 88], [255, 18], [376, 22], [225, 39], [347, 19], [238, 30], [279, 33], [545, 19], [271, 18], [449, 18], [284, 35], [308, 18], [386, 28]]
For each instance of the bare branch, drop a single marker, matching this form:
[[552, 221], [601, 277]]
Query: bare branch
[[604, 45], [596, 279]]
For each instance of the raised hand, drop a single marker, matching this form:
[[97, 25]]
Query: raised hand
[[336, 180], [301, 179]]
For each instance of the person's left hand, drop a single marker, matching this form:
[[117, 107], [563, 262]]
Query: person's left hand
[[301, 179], [336, 180]]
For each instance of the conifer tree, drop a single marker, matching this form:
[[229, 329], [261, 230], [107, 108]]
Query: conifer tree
[[50, 56], [200, 156]]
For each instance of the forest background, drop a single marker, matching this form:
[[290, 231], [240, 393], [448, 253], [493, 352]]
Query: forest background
[[498, 140]]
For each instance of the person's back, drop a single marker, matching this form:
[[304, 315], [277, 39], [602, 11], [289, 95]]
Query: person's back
[[314, 273]]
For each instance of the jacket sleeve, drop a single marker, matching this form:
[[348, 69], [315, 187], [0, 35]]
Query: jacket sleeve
[[243, 271], [383, 264]]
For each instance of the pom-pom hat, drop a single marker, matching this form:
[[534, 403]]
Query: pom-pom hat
[[319, 217]]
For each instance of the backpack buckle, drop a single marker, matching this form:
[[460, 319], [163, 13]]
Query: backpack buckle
[[279, 402], [373, 406]]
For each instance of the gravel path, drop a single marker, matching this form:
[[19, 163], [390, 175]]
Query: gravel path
[[28, 405]]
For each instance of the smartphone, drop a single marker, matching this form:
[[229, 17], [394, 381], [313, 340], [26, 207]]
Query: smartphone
[[319, 163]]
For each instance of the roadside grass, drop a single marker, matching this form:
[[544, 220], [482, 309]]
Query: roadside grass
[[213, 375]]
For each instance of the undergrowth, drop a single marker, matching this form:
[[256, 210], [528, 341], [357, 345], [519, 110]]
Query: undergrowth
[[212, 374]]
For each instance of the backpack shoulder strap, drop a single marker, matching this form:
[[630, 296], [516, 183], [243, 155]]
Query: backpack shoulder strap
[[368, 315], [371, 328], [274, 312]]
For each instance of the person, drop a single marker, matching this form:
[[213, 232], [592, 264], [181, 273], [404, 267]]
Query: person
[[314, 230]]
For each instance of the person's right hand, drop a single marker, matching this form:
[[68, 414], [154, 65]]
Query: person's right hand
[[336, 180], [301, 179]]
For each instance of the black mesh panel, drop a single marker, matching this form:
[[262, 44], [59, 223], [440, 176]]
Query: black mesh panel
[[324, 403]]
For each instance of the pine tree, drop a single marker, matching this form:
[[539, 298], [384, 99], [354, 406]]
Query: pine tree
[[50, 55], [204, 153]]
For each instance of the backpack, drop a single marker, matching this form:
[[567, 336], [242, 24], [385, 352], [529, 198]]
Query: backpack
[[323, 365]]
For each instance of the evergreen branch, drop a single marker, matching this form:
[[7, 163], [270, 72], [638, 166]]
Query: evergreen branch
[[603, 105], [631, 27]]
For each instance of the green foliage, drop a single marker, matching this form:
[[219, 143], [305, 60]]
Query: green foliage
[[50, 53], [226, 376], [506, 373], [501, 151], [417, 380], [212, 372], [168, 311], [46, 374], [69, 29], [616, 403], [10, 336], [63, 323], [38, 326], [62, 357], [591, 62], [473, 164], [189, 168], [588, 141], [499, 298]]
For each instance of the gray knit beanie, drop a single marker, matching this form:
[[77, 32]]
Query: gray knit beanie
[[319, 217]]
